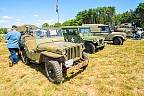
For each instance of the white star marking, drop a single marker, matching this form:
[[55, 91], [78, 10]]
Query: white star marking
[[72, 39]]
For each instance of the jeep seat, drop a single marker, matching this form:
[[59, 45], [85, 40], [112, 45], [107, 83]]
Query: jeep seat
[[30, 42]]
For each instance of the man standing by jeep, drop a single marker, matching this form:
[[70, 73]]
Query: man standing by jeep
[[13, 42]]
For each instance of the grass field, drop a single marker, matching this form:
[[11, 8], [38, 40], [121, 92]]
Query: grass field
[[114, 71]]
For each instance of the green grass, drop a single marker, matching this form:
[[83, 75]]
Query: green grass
[[114, 71]]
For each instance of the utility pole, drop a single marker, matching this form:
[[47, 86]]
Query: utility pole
[[57, 10]]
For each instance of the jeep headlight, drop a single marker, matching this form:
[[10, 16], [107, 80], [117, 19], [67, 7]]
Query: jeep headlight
[[63, 52]]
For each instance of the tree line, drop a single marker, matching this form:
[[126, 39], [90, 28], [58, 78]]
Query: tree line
[[108, 15], [102, 15]]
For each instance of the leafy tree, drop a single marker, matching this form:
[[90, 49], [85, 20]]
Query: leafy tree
[[97, 15], [140, 13], [45, 25], [72, 22], [57, 25], [3, 30]]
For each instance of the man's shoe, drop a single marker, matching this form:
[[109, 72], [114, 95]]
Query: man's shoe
[[10, 64]]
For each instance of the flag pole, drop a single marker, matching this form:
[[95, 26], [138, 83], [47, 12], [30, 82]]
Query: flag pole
[[57, 10]]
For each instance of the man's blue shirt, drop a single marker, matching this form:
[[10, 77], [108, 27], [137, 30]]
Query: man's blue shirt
[[13, 39]]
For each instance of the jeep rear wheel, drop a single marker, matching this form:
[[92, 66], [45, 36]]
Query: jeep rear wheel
[[89, 48], [53, 71], [118, 41], [24, 58]]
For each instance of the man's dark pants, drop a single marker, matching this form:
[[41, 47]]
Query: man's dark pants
[[13, 55]]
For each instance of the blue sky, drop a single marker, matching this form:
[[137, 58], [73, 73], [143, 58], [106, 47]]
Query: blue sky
[[39, 11]]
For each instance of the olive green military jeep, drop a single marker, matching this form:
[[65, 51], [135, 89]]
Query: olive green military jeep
[[104, 30], [59, 57], [80, 34]]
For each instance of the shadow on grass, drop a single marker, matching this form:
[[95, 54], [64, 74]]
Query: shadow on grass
[[41, 68], [72, 75]]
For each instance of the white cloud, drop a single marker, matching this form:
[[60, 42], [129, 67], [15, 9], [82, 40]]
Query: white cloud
[[41, 20], [36, 15], [18, 22], [6, 17], [4, 21], [18, 19]]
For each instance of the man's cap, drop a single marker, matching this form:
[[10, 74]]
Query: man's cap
[[14, 26]]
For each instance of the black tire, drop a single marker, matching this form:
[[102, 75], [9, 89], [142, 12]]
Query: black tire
[[118, 41], [142, 35], [84, 56], [53, 71], [24, 58], [101, 48], [89, 48]]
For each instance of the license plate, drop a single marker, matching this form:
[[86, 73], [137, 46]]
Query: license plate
[[69, 63]]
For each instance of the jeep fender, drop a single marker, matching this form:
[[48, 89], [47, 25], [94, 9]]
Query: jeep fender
[[44, 56], [118, 37]]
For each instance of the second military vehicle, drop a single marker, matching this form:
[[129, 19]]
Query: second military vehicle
[[106, 31], [81, 34], [58, 57]]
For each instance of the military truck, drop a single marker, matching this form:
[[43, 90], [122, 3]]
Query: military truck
[[81, 34], [105, 30], [59, 58]]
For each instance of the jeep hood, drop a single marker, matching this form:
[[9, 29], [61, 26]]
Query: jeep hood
[[92, 38], [118, 33], [56, 46]]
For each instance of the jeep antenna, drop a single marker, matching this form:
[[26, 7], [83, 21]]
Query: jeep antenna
[[57, 10]]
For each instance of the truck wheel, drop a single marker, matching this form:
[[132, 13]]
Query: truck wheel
[[118, 41], [53, 71], [90, 48]]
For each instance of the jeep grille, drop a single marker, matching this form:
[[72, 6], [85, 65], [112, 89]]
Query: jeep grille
[[73, 52]]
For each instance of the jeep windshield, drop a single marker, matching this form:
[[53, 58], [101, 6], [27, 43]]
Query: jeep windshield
[[42, 34], [47, 33], [104, 28], [76, 31], [47, 36]]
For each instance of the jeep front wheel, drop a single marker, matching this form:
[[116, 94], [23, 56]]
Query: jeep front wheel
[[118, 41], [142, 35], [89, 48], [53, 71]]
